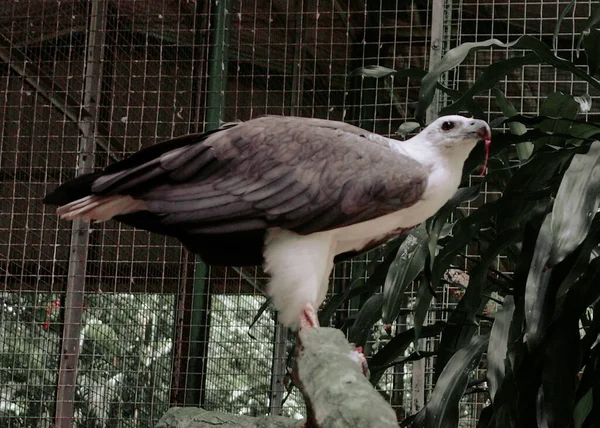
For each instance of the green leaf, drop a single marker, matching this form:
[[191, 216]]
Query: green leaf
[[423, 300], [561, 106], [376, 272], [491, 75], [456, 56], [562, 16], [536, 287], [582, 409], [409, 262], [414, 356], [592, 22], [396, 347], [531, 184], [524, 150], [375, 71], [584, 130], [462, 195], [464, 230], [498, 345], [580, 260], [500, 142], [561, 362], [463, 320], [576, 204], [368, 315], [442, 410], [591, 45], [258, 314]]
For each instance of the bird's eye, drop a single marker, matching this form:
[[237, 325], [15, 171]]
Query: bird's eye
[[447, 126]]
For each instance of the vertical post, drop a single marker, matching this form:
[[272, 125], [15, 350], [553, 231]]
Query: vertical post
[[438, 13], [220, 23], [438, 9], [278, 369], [183, 304], [67, 374]]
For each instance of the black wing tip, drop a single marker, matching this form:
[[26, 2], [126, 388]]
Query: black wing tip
[[71, 190], [52, 198]]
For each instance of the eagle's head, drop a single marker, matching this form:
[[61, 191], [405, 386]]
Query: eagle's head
[[452, 132], [449, 138]]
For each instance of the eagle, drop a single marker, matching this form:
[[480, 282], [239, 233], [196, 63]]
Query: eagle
[[292, 194]]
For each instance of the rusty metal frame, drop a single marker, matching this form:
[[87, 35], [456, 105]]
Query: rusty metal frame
[[74, 301]]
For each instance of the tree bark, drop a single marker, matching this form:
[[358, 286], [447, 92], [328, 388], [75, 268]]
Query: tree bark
[[329, 373], [193, 417], [330, 376]]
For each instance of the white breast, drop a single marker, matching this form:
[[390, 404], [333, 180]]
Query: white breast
[[442, 184]]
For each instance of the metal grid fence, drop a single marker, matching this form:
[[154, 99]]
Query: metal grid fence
[[156, 328]]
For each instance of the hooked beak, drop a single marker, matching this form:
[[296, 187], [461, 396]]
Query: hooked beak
[[484, 133]]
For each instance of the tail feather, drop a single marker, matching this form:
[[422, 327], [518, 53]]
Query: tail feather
[[100, 208]]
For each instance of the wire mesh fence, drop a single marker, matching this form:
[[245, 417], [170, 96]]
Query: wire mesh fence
[[158, 329]]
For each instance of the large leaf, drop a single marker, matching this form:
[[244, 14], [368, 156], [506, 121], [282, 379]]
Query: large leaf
[[561, 106], [536, 287], [582, 410], [376, 272], [368, 315], [442, 410], [437, 222], [396, 347], [561, 364], [591, 44], [576, 204], [592, 22], [524, 150], [537, 176], [423, 300], [464, 230], [578, 262], [376, 71], [409, 262], [463, 320], [562, 16], [414, 356], [456, 56], [500, 142], [491, 75], [498, 346], [505, 402], [259, 313]]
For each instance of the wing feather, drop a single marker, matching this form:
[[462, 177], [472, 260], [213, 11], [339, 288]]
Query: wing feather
[[303, 174]]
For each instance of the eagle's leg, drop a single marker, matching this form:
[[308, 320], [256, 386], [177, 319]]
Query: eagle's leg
[[308, 317]]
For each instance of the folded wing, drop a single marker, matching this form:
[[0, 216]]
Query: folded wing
[[306, 175]]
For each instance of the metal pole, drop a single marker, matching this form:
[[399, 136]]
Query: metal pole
[[67, 375], [215, 109], [436, 51], [438, 15]]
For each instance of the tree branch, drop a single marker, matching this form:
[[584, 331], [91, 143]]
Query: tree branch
[[330, 375]]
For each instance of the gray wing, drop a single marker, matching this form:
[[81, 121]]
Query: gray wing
[[307, 175]]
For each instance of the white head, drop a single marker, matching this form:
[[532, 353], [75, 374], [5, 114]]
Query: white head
[[448, 137], [452, 132]]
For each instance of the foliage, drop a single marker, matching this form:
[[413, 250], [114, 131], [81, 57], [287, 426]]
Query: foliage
[[543, 352], [124, 371], [543, 344]]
